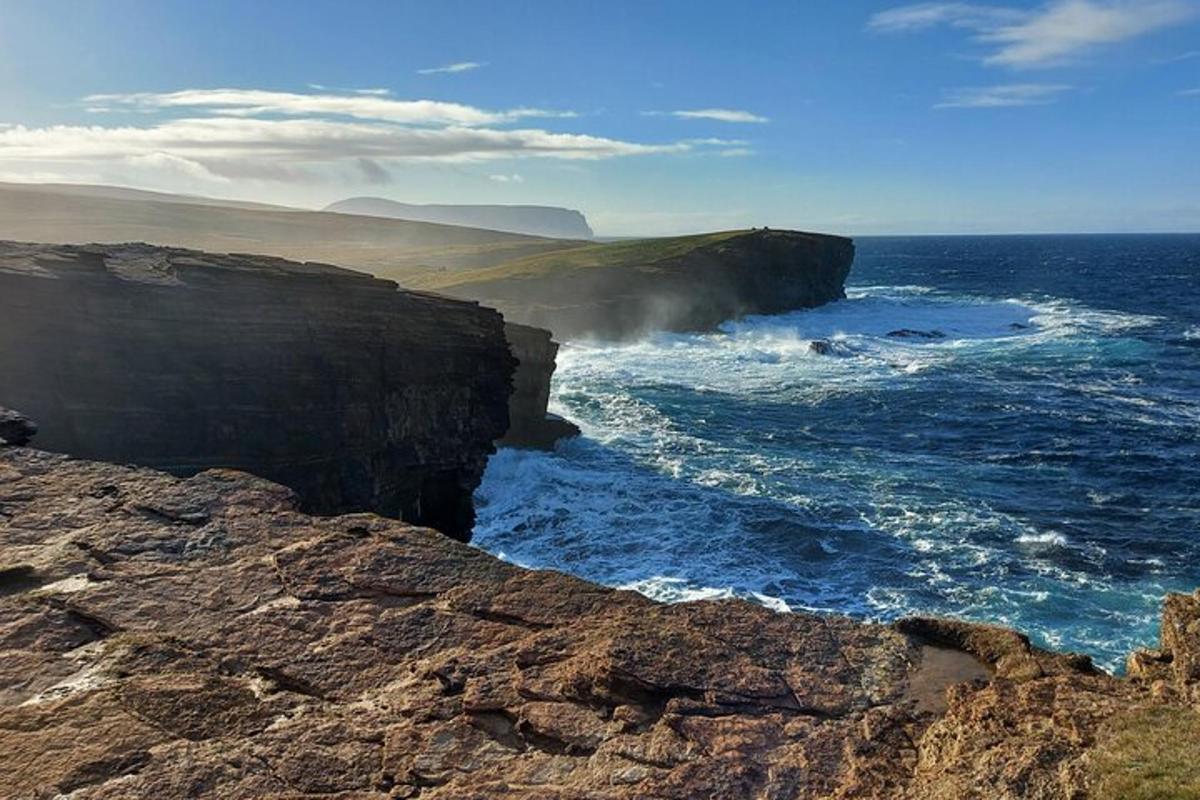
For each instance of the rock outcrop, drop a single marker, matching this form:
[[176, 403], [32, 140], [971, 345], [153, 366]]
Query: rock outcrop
[[164, 637], [531, 425], [627, 289], [560, 223], [356, 395], [15, 427]]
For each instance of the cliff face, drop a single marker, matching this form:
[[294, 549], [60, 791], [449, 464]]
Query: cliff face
[[165, 637], [531, 425], [625, 290], [358, 396], [559, 223]]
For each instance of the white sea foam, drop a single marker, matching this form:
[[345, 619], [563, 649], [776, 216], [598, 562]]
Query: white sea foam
[[1055, 539]]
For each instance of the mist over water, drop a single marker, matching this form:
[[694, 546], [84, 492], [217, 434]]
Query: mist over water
[[1031, 461]]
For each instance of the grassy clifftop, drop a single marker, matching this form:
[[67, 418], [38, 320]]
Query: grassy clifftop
[[626, 289], [640, 254]]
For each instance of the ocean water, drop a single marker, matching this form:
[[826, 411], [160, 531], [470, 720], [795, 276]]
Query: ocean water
[[1034, 465]]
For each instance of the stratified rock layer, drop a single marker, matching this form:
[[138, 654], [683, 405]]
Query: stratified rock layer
[[629, 289], [356, 395], [530, 423], [165, 637]]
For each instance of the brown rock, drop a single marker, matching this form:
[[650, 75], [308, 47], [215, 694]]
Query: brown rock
[[164, 637]]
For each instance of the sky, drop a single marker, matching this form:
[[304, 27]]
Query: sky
[[651, 117]]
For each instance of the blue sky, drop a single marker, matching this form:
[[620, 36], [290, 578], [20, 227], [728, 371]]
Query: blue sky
[[651, 117]]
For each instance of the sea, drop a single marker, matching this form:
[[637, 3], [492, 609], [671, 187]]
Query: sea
[[999, 428]]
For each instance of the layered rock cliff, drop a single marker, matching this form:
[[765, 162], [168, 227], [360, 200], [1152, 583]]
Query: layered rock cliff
[[164, 637], [627, 289], [530, 423], [356, 395]]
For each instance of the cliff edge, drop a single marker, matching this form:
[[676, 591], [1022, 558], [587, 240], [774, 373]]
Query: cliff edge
[[358, 396], [624, 290], [200, 637]]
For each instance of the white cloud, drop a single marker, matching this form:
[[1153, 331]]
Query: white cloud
[[377, 92], [1188, 93], [718, 114], [1051, 35], [1009, 95], [229, 134], [257, 102], [460, 66], [201, 136], [927, 15]]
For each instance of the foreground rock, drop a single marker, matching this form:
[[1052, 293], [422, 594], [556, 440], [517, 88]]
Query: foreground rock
[[356, 395], [628, 289], [165, 637]]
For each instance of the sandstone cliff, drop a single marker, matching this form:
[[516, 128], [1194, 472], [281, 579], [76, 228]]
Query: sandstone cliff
[[358, 396], [165, 637], [530, 423], [627, 289]]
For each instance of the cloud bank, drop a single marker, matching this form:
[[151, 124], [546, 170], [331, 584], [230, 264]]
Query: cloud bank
[[225, 134]]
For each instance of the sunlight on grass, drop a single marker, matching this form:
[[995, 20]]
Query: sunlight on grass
[[1149, 754]]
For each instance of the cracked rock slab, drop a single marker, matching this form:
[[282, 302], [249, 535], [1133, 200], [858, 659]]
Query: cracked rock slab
[[164, 637]]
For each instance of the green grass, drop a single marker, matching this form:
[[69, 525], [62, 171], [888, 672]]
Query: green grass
[[1149, 754], [640, 252]]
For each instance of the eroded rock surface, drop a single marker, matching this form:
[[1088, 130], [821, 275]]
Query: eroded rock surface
[[15, 427], [164, 637], [358, 396]]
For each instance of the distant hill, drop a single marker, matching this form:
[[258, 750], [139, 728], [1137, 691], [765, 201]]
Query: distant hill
[[126, 193], [390, 248], [560, 223]]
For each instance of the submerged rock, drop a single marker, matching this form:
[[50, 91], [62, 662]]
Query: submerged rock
[[356, 395], [165, 637], [909, 333]]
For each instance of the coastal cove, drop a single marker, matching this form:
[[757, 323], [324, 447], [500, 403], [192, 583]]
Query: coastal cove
[[1033, 466]]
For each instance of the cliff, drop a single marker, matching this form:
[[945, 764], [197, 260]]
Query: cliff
[[530, 423], [164, 637], [560, 223], [356, 395], [627, 289]]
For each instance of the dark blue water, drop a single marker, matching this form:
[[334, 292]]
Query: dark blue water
[[1033, 465]]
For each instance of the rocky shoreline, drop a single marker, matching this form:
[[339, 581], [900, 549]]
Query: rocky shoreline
[[201, 637], [202, 634]]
